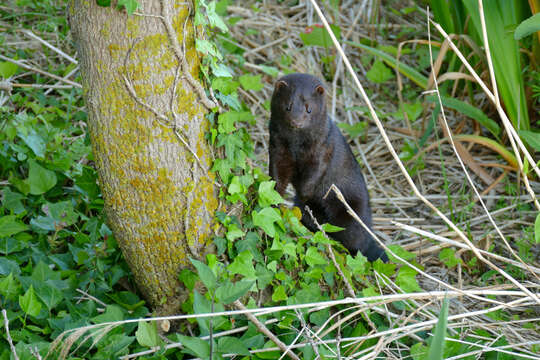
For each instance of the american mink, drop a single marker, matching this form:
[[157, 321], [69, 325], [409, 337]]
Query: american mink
[[308, 150]]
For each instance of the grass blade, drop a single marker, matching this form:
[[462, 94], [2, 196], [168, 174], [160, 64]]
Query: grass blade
[[436, 349]]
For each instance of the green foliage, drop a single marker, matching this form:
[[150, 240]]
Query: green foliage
[[318, 36], [436, 348], [527, 27]]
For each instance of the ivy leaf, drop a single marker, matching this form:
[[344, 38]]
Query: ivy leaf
[[314, 257], [214, 19], [29, 302], [112, 313], [40, 179], [129, 5], [49, 294], [229, 344], [9, 225], [197, 346], [448, 256], [267, 195], [9, 287], [8, 69], [8, 266], [279, 294], [205, 274], [230, 292], [35, 142], [265, 219], [251, 82], [379, 73], [358, 264], [233, 232], [147, 334], [243, 265], [402, 253], [12, 201], [406, 279]]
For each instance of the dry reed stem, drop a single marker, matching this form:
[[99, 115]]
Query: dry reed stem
[[402, 167]]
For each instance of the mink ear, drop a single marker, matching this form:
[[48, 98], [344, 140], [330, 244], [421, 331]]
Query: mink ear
[[319, 89], [281, 84]]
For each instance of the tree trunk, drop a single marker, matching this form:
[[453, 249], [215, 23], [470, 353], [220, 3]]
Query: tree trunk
[[146, 118]]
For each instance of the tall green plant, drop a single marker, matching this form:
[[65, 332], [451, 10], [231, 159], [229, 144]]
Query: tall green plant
[[502, 17]]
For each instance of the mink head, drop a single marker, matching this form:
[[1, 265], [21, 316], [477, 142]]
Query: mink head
[[298, 101]]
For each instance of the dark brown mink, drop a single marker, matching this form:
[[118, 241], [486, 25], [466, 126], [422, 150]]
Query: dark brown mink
[[308, 150]]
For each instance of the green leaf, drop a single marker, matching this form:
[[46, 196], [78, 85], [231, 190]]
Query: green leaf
[[40, 179], [537, 229], [199, 347], [8, 69], [251, 82], [358, 264], [318, 36], [269, 70], [527, 27], [448, 256], [8, 266], [9, 225], [49, 294], [12, 201], [233, 232], [379, 73], [314, 257], [267, 195], [531, 138], [353, 130], [112, 313], [214, 19], [279, 294], [402, 253], [329, 228], [232, 291], [406, 279], [419, 351], [265, 219], [225, 85], [232, 345], [35, 142], [205, 274], [227, 121], [206, 47], [129, 5], [29, 302], [147, 334], [436, 349], [9, 287], [470, 111], [243, 265]]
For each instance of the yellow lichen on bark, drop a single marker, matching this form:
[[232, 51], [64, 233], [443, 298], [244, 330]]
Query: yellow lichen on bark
[[159, 199]]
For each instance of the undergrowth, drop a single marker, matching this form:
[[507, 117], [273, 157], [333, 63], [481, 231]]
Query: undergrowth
[[61, 268]]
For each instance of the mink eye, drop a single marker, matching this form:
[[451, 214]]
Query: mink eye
[[308, 109], [289, 107]]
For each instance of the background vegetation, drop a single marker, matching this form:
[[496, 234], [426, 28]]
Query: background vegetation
[[61, 268]]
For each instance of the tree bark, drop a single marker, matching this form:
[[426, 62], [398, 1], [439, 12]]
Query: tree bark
[[146, 118]]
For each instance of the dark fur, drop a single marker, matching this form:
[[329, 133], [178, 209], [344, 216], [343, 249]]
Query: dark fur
[[308, 150]]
